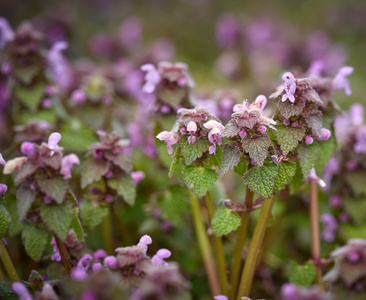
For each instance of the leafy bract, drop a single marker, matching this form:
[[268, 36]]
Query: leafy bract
[[224, 221]]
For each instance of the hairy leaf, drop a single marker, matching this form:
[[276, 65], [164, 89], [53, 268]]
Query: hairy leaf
[[224, 221], [15, 225], [326, 149], [92, 213], [286, 170], [76, 224], [25, 199], [58, 218], [315, 122], [199, 179], [262, 179], [308, 155], [5, 219], [288, 109], [313, 96], [34, 240], [193, 151], [230, 159], [93, 170], [174, 162], [125, 187], [257, 148], [122, 160], [173, 97], [31, 96], [55, 188], [289, 137], [302, 275], [231, 129]]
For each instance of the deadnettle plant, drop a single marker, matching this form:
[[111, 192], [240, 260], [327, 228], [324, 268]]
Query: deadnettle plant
[[44, 201]]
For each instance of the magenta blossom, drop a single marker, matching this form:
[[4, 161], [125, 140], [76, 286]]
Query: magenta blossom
[[53, 140], [261, 100], [341, 82], [21, 290], [192, 129], [3, 188], [152, 78], [56, 256], [6, 33], [158, 258], [27, 148], [2, 160], [312, 175], [214, 135], [290, 87], [137, 176], [360, 145], [67, 163], [169, 138]]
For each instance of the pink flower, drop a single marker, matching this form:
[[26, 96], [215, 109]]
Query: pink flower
[[312, 175], [326, 134], [169, 138], [53, 140], [27, 148], [290, 87], [21, 290], [3, 188], [214, 134], [67, 163], [2, 160], [137, 176], [78, 96], [309, 140], [145, 241], [158, 258], [341, 82], [261, 100], [6, 33], [152, 78]]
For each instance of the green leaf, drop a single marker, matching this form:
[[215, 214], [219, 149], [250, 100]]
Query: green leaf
[[288, 109], [315, 122], [163, 153], [199, 179], [93, 170], [5, 219], [257, 148], [31, 96], [55, 188], [34, 240], [262, 179], [6, 291], [92, 213], [302, 275], [308, 155], [326, 149], [26, 73], [174, 205], [286, 170], [356, 209], [174, 162], [231, 129], [297, 181], [192, 151], [289, 137], [241, 168], [15, 225], [42, 115], [58, 218], [76, 224], [172, 97], [215, 159], [224, 221], [25, 199], [356, 180], [125, 187], [230, 159], [76, 136]]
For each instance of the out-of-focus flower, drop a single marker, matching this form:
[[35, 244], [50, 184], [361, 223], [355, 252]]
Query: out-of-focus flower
[[21, 290], [53, 141], [27, 148], [78, 96], [158, 258], [330, 226], [169, 138], [326, 134], [56, 256], [360, 145], [137, 176], [3, 188], [6, 33], [214, 134], [152, 78], [261, 100], [316, 68], [130, 32], [341, 82], [2, 160], [312, 175], [67, 164], [290, 87], [227, 31]]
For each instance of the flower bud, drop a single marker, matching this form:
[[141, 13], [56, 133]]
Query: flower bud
[[78, 96], [111, 262], [262, 129], [325, 134], [309, 140], [286, 122], [27, 148], [192, 127], [3, 188]]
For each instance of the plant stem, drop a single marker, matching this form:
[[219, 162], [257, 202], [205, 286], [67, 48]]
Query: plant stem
[[204, 245], [65, 255], [219, 250], [107, 233], [254, 249], [124, 231], [315, 235], [8, 264], [242, 234]]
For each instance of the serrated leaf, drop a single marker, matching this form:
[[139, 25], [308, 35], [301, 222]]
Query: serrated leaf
[[297, 181], [5, 219], [308, 155], [174, 162], [326, 149], [58, 218], [356, 180], [55, 188], [34, 240], [192, 151], [286, 170], [91, 213], [224, 221], [257, 148], [15, 225], [315, 122], [125, 187], [302, 275], [231, 129], [289, 137], [262, 179], [76, 136], [313, 96], [31, 96], [25, 199], [288, 109], [199, 179], [121, 160], [93, 170], [230, 159], [76, 224], [174, 204], [28, 168]]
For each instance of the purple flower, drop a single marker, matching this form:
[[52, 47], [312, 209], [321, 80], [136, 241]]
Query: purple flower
[[27, 148], [290, 87], [2, 160], [227, 31], [360, 145], [316, 68], [341, 82], [53, 140], [78, 96], [309, 140], [326, 134], [169, 138], [6, 33], [145, 241], [97, 267], [111, 262], [152, 78], [261, 100], [312, 175], [79, 273], [286, 122], [220, 297], [3, 188], [56, 256], [67, 163], [21, 290], [137, 176], [330, 226], [59, 67], [289, 291], [335, 200], [99, 255], [158, 258], [130, 32], [357, 113], [214, 134]]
